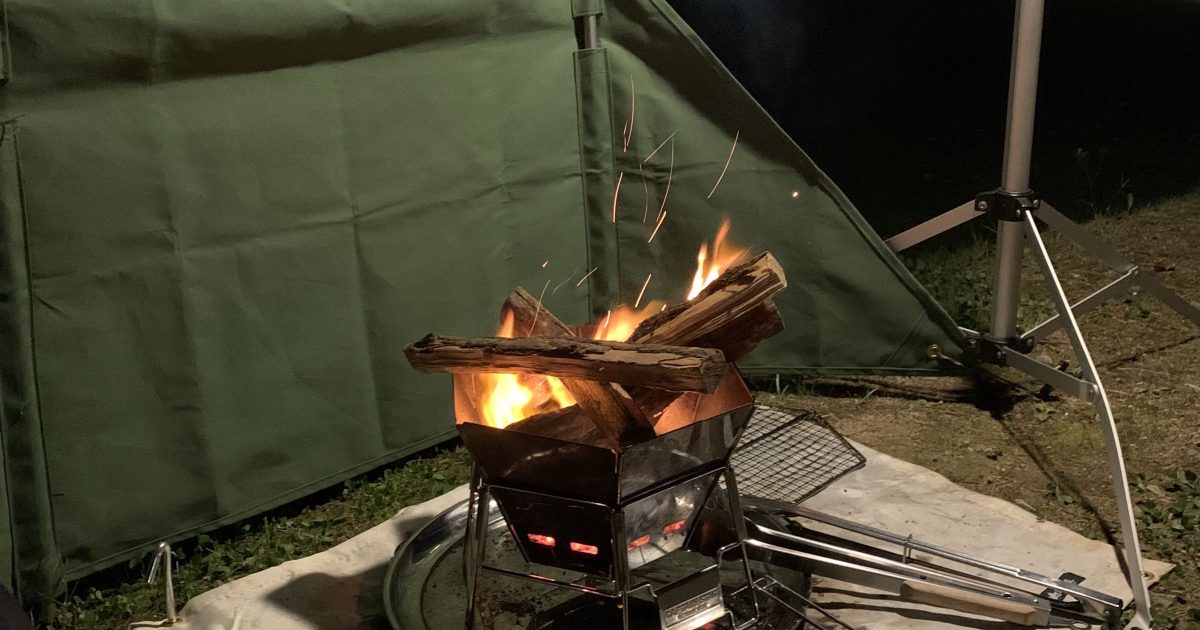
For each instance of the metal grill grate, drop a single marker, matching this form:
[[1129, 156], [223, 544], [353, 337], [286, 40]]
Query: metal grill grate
[[789, 455]]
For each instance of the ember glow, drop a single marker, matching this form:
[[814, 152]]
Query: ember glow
[[620, 322], [710, 264], [508, 398]]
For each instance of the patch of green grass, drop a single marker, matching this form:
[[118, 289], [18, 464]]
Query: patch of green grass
[[960, 279], [1169, 524], [779, 384], [214, 559]]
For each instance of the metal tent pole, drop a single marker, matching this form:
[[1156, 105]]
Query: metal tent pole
[[591, 31], [1018, 153], [1014, 206], [1015, 222]]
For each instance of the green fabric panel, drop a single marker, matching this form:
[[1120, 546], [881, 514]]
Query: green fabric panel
[[850, 307], [238, 212], [28, 558], [8, 566], [13, 272], [5, 59], [230, 250], [596, 167]]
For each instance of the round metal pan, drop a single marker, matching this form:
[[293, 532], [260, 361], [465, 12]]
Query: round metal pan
[[424, 587]]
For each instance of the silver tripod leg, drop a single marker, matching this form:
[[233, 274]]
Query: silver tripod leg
[[1099, 400], [1131, 275], [933, 227]]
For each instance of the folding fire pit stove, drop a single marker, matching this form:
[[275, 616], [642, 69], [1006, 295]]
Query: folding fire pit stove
[[609, 492], [605, 513], [602, 454], [572, 508]]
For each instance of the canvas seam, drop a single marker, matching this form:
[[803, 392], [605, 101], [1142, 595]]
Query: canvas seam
[[33, 360]]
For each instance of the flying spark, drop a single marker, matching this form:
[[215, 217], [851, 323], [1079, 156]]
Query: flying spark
[[645, 195], [617, 193], [661, 216], [670, 174], [664, 143], [545, 263], [538, 310], [795, 193], [560, 284], [632, 113], [727, 161], [643, 291], [586, 276]]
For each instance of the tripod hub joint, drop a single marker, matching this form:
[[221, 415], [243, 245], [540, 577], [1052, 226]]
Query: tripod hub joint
[[1001, 205]]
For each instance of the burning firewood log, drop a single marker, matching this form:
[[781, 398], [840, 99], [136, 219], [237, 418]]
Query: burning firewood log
[[725, 313], [609, 405], [568, 424], [733, 313], [675, 368], [618, 386]]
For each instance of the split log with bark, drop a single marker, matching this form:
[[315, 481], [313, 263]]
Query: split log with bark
[[675, 368], [620, 387], [734, 313], [569, 424]]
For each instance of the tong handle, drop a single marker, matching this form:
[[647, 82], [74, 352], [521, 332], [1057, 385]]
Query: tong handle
[[965, 601]]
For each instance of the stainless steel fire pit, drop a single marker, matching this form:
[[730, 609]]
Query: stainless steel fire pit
[[425, 588], [604, 513], [734, 570]]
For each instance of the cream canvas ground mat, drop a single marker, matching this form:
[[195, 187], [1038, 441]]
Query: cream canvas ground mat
[[342, 588]]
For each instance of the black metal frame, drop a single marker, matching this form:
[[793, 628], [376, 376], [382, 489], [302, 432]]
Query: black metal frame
[[621, 581]]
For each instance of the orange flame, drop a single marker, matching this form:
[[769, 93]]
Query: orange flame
[[622, 321], [710, 268], [508, 398]]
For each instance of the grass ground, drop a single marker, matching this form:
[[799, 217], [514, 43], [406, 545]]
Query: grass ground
[[1045, 454], [113, 599]]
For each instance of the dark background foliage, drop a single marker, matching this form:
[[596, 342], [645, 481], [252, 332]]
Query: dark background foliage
[[903, 103]]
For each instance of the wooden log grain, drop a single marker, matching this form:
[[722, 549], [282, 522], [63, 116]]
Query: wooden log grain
[[743, 334], [719, 307], [674, 368], [733, 314], [569, 424]]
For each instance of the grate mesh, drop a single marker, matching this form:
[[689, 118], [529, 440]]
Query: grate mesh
[[789, 455]]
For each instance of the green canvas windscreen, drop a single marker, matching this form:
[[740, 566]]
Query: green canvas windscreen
[[222, 221]]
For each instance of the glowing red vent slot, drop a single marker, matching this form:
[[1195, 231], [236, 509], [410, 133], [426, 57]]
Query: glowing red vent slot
[[539, 539], [639, 542], [590, 550], [673, 527]]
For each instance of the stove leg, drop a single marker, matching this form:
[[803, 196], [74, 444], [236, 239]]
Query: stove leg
[[475, 540], [469, 535], [621, 564], [739, 527]]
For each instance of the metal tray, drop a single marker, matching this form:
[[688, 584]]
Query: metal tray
[[424, 587]]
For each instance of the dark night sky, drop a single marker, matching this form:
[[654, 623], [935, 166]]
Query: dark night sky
[[903, 103]]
